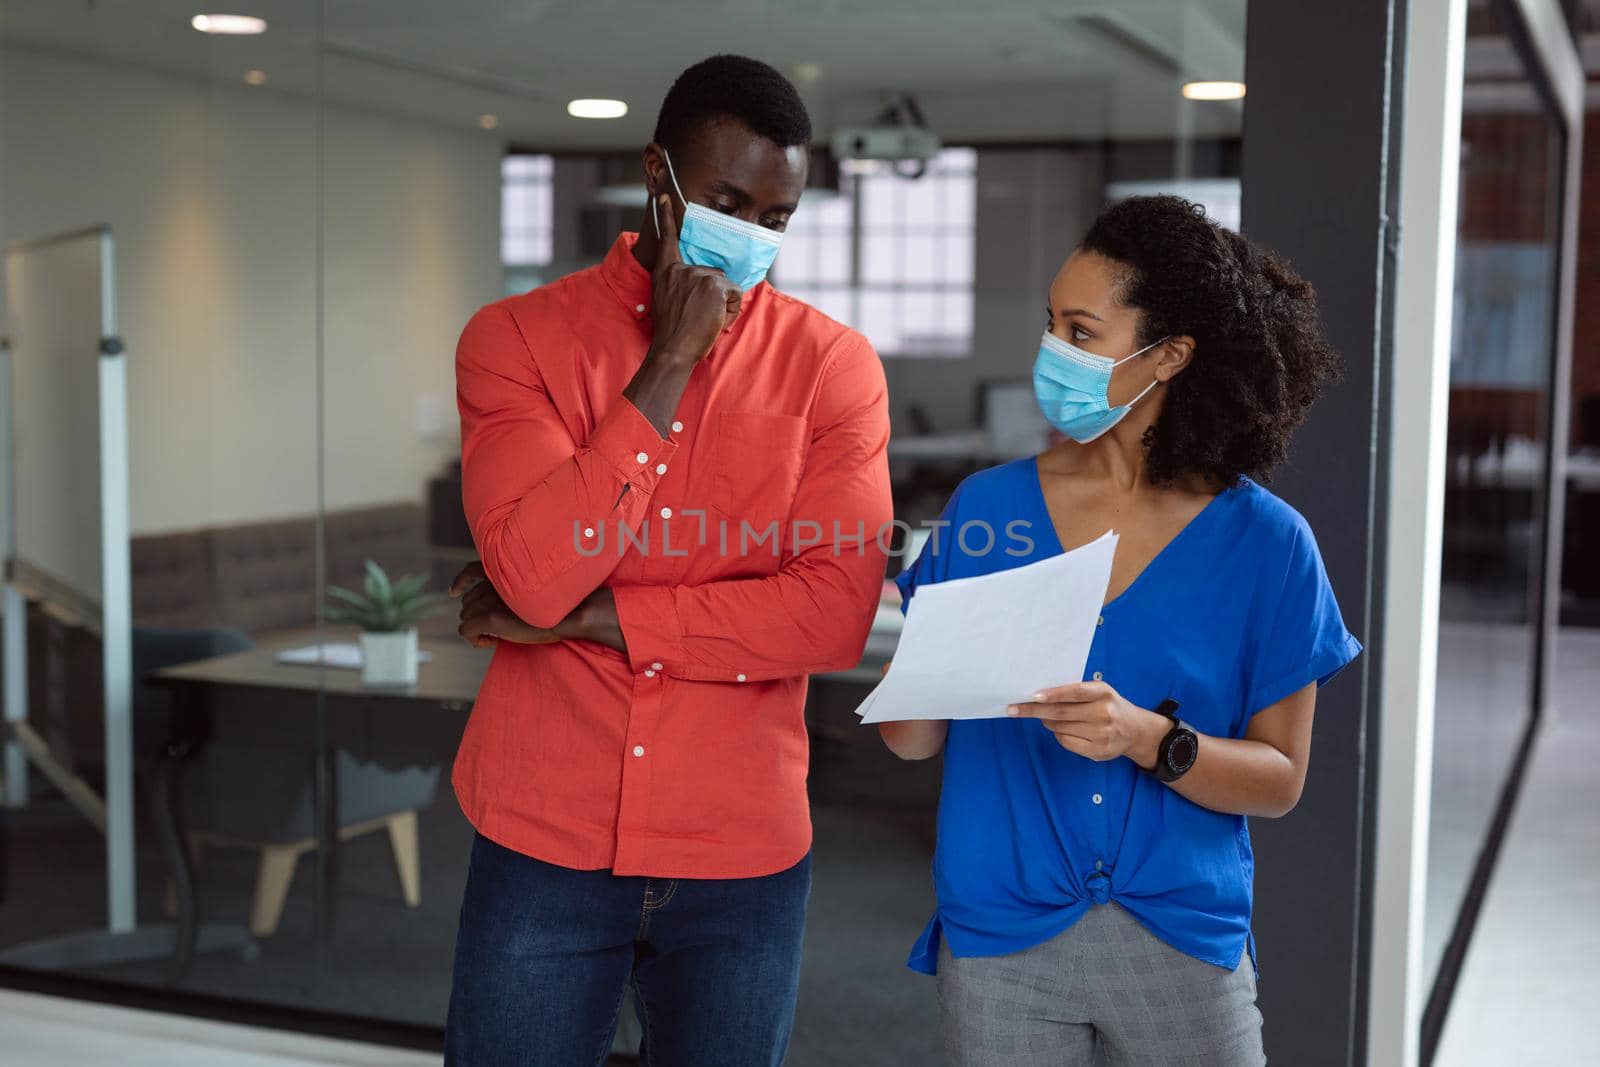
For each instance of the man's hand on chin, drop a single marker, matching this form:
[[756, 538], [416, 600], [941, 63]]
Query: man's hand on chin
[[485, 618]]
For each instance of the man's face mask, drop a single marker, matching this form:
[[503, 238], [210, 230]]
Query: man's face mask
[[741, 250]]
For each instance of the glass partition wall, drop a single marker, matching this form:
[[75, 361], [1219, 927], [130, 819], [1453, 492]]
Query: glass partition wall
[[306, 216], [198, 153], [1495, 611]]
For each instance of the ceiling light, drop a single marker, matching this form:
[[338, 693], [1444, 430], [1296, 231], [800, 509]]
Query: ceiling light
[[597, 109], [488, 122], [1213, 91], [230, 24], [255, 77]]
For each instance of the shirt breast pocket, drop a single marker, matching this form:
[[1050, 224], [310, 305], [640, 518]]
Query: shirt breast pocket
[[756, 462]]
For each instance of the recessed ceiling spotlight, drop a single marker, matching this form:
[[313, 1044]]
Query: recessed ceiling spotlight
[[229, 24], [255, 77], [488, 122], [597, 109], [1213, 91]]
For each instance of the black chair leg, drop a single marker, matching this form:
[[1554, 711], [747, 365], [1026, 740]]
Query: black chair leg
[[163, 790]]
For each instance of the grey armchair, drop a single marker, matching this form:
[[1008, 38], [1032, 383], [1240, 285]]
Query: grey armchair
[[262, 800]]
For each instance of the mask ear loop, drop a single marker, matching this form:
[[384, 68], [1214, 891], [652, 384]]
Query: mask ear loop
[[655, 214], [1141, 351], [1154, 383], [1142, 393]]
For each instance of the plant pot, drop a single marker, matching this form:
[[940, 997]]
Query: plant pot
[[389, 658]]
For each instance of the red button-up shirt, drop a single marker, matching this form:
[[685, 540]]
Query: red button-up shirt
[[743, 551]]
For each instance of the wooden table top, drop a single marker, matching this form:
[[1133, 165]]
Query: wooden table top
[[451, 676]]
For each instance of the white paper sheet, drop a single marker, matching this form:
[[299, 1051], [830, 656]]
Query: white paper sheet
[[342, 654], [972, 646]]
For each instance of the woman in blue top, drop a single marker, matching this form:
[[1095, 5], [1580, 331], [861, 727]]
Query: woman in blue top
[[1093, 868]]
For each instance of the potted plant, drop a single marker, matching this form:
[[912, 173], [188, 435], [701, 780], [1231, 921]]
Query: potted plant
[[388, 614]]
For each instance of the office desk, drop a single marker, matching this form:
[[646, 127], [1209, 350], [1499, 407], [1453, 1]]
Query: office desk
[[249, 697]]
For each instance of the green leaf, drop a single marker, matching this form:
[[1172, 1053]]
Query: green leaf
[[378, 587], [409, 586], [352, 598], [347, 615], [426, 606]]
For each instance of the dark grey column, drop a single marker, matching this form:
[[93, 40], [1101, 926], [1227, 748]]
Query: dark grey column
[[1319, 187]]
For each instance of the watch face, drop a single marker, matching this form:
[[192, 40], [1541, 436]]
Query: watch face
[[1181, 753]]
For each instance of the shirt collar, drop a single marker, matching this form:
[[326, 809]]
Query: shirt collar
[[627, 278]]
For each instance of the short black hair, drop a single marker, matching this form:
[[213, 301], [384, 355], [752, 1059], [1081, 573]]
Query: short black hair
[[733, 87], [1261, 355]]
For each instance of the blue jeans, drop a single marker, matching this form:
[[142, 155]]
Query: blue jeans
[[545, 954]]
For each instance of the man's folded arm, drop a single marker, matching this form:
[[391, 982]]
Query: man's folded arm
[[814, 614], [538, 502]]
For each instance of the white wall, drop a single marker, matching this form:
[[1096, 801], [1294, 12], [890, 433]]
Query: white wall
[[211, 193]]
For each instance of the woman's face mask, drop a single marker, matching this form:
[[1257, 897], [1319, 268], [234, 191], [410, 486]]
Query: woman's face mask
[[1070, 385], [741, 250]]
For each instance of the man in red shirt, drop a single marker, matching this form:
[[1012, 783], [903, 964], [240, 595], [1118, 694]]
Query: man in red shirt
[[676, 480]]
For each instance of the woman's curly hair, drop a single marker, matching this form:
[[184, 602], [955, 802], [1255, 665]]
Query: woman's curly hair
[[1261, 356]]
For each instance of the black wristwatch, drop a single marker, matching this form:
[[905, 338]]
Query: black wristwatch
[[1177, 751]]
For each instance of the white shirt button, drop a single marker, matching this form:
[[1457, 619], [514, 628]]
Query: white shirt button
[[655, 666], [643, 457], [588, 531], [649, 673], [639, 308], [661, 468], [638, 750], [1097, 798], [1097, 676], [740, 678], [1101, 621], [666, 513], [1098, 865], [677, 427]]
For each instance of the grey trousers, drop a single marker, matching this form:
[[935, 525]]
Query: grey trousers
[[1106, 992]]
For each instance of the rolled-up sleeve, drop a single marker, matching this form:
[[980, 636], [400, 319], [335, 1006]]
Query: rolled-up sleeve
[[535, 498], [814, 614], [1306, 640]]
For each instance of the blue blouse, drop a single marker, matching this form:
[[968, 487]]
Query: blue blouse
[[1235, 614]]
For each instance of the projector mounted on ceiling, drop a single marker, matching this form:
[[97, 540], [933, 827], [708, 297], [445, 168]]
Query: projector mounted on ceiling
[[898, 136]]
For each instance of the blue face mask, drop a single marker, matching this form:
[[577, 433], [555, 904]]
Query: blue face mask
[[1070, 385], [741, 250]]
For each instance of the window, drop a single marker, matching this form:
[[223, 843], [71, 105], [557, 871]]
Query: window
[[527, 218], [892, 256]]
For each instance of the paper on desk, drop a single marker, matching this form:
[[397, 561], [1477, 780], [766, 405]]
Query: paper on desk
[[342, 654], [971, 646]]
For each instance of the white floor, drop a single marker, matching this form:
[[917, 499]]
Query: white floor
[[50, 1032], [1530, 991]]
